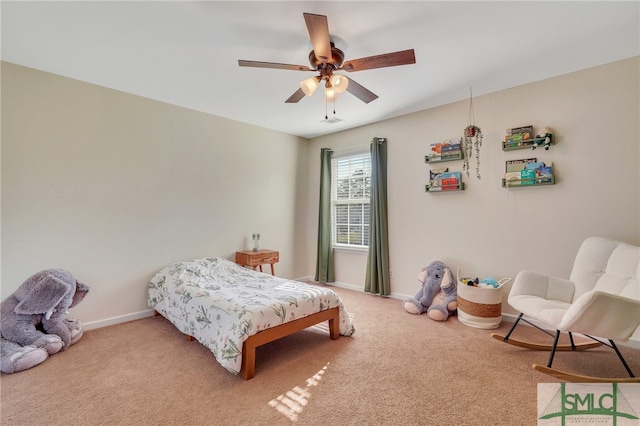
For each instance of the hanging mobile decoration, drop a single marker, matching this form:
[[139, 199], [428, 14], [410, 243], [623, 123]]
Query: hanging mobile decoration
[[472, 139]]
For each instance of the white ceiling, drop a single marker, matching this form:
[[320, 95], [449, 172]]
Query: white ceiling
[[186, 53]]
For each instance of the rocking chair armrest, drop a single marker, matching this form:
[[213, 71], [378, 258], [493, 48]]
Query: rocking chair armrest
[[544, 286], [602, 314]]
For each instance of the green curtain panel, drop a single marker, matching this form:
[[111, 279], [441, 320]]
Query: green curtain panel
[[324, 261], [377, 278]]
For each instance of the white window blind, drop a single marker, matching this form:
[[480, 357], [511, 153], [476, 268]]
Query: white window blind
[[350, 194]]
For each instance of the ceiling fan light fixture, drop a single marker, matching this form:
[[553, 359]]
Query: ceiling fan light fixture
[[330, 94], [309, 85], [339, 83]]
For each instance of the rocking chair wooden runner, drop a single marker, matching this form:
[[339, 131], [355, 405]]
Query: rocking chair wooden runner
[[601, 301]]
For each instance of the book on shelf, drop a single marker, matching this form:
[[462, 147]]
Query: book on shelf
[[444, 150], [517, 165], [523, 129], [529, 173], [544, 174], [450, 147], [519, 138], [533, 166], [451, 155], [512, 178], [450, 181], [435, 176], [527, 177], [448, 174], [436, 148]]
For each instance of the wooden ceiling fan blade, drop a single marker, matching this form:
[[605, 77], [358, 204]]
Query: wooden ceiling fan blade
[[258, 64], [402, 57], [295, 98], [361, 92], [318, 27]]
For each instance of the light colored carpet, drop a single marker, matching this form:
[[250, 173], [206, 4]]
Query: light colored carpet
[[396, 369]]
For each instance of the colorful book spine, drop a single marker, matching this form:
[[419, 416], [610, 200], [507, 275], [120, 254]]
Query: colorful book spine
[[523, 129], [544, 174], [451, 181], [446, 150], [527, 177]]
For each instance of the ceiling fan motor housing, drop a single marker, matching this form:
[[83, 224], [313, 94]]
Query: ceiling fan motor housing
[[337, 56]]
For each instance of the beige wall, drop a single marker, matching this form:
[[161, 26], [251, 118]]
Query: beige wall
[[487, 230], [113, 187]]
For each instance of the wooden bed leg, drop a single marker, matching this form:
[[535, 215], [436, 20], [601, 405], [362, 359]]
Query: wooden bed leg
[[156, 313], [248, 366], [334, 328]]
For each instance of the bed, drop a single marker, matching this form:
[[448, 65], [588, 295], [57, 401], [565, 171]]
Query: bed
[[232, 310]]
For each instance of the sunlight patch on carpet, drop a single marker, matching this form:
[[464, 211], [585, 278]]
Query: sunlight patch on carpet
[[291, 403]]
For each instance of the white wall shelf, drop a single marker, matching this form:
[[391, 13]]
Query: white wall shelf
[[439, 189], [527, 183], [443, 158]]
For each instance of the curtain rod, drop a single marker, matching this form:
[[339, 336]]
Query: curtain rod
[[355, 148]]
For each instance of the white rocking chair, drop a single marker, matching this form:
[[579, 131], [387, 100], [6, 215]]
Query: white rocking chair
[[601, 301]]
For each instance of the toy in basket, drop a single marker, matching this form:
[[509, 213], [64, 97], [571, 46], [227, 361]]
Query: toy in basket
[[480, 302]]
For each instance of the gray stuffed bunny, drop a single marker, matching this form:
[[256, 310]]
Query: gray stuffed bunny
[[32, 321], [438, 294]]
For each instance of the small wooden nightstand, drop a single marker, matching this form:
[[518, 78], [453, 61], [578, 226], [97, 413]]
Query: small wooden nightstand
[[257, 258]]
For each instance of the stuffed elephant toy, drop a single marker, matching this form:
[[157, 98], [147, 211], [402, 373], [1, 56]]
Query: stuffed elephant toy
[[438, 295], [33, 324]]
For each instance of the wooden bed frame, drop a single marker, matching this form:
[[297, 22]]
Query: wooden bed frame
[[248, 366]]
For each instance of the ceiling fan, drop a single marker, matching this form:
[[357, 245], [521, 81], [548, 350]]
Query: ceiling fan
[[325, 58]]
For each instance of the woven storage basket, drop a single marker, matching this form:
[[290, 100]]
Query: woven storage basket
[[480, 307]]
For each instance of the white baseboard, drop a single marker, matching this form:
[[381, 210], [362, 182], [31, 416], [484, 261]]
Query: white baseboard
[[118, 320], [355, 288]]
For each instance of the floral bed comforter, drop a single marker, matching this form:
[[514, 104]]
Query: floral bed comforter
[[221, 303]]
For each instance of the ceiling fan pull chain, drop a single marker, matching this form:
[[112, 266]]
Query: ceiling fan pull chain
[[326, 114]]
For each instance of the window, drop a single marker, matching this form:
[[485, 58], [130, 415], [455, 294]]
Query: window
[[350, 193]]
